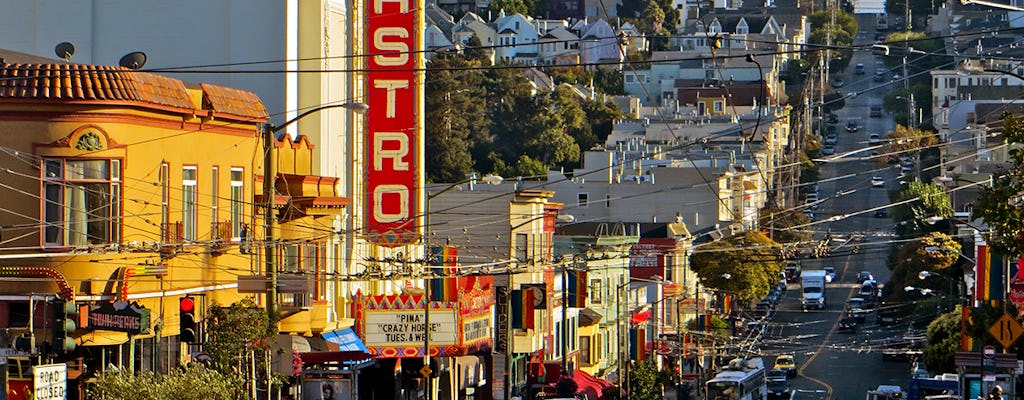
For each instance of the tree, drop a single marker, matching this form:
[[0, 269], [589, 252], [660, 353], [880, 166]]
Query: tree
[[915, 203], [653, 17], [719, 326], [454, 117], [910, 140], [747, 264], [511, 7], [943, 342], [1000, 204], [778, 223], [913, 258], [238, 337], [645, 381], [601, 117], [841, 32]]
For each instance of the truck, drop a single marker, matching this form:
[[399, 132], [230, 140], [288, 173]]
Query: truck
[[812, 285]]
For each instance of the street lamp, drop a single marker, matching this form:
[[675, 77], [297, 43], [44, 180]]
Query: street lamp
[[269, 174], [489, 179]]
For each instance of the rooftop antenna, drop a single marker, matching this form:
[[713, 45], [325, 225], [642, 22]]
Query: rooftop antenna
[[133, 60], [65, 50]]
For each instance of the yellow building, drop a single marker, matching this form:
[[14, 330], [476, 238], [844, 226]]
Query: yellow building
[[124, 191]]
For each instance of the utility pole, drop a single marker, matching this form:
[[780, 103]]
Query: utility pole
[[269, 220], [269, 195]]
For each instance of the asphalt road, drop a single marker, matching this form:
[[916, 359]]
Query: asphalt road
[[846, 364]]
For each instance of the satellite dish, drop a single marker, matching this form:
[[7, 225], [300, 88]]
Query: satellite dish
[[133, 60], [65, 50]]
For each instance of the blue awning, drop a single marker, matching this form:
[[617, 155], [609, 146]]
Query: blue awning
[[346, 339]]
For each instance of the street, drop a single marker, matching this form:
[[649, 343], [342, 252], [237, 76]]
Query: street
[[843, 363]]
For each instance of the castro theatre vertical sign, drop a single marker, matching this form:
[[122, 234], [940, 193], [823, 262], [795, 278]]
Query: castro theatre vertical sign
[[394, 127]]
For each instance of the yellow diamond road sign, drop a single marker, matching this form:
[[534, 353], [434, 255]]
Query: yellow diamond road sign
[[1006, 330]]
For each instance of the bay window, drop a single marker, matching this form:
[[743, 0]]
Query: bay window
[[82, 202]]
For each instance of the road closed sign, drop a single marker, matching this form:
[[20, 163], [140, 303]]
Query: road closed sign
[[50, 381]]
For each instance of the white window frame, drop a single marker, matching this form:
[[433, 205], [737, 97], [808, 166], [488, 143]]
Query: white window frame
[[189, 202]]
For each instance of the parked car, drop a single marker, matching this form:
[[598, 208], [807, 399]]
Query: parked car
[[865, 275], [831, 139], [906, 168], [874, 139], [833, 118], [858, 69], [877, 181], [851, 126], [828, 150], [838, 83], [786, 363]]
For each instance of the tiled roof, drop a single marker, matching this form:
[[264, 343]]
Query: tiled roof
[[90, 82], [64, 82], [227, 100]]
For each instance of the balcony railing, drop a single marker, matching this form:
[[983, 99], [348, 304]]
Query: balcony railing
[[172, 237], [220, 237]]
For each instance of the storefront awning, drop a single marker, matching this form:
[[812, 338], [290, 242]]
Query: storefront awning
[[641, 317], [102, 338], [320, 357], [593, 387], [346, 339]]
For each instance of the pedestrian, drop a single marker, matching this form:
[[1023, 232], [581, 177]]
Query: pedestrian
[[996, 393]]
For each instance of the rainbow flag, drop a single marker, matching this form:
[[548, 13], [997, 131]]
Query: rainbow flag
[[444, 289], [988, 275], [577, 284]]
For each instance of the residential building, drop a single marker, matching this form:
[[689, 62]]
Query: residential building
[[130, 214], [241, 38]]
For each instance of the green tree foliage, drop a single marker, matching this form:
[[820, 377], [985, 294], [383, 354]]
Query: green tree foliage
[[1000, 205], [601, 117], [653, 17], [912, 258], [235, 331], [747, 264], [609, 80], [475, 52], [719, 326], [778, 223], [910, 140], [842, 32], [193, 383], [456, 115], [525, 7], [645, 381], [496, 122], [918, 201], [943, 341]]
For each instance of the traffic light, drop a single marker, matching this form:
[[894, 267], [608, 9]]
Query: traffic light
[[63, 341], [187, 326]]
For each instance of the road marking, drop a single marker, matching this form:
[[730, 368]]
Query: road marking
[[824, 342]]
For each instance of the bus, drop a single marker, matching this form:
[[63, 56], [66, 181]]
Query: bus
[[743, 379]]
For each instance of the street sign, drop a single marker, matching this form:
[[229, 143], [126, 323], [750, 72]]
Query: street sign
[[50, 381], [1006, 330], [988, 351], [425, 371]]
